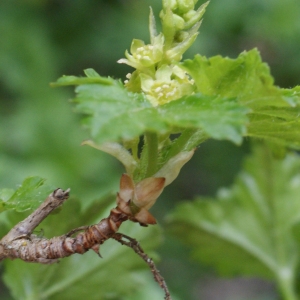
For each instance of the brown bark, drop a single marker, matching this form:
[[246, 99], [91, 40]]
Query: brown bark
[[21, 243]]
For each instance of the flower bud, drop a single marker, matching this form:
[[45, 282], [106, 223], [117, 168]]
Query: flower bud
[[135, 200], [175, 53], [178, 22], [169, 4], [185, 5], [192, 17]]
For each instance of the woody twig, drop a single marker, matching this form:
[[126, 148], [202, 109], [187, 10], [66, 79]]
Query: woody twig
[[26, 227], [21, 243], [132, 243]]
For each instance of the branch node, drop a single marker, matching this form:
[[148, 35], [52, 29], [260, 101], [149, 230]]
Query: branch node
[[96, 249]]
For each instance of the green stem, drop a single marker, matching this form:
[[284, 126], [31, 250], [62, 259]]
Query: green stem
[[286, 286], [134, 151], [188, 140], [152, 148]]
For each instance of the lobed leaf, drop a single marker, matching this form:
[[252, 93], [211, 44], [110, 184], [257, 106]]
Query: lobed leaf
[[28, 195], [113, 114], [91, 77], [281, 126], [228, 89], [250, 228], [219, 118], [247, 79]]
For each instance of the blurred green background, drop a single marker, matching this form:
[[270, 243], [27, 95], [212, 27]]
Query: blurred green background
[[40, 135]]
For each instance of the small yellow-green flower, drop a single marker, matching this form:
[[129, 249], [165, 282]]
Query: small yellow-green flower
[[144, 56], [170, 83], [157, 74]]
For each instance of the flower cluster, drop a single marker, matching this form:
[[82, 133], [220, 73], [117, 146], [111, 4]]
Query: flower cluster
[[158, 74], [169, 83]]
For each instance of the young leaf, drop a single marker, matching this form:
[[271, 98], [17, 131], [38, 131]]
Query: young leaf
[[248, 229], [279, 125], [219, 118], [92, 77], [27, 196], [111, 114], [248, 79]]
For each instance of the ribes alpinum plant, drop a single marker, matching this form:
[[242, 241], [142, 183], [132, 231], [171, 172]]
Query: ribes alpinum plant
[[153, 122]]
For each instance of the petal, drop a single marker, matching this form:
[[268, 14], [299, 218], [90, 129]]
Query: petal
[[146, 61], [136, 44], [152, 100], [164, 73], [146, 82], [131, 63], [179, 72]]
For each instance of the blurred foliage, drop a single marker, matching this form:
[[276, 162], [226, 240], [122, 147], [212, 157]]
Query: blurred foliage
[[40, 135], [249, 229]]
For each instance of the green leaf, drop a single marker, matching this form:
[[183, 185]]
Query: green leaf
[[29, 195], [279, 125], [112, 113], [248, 229], [92, 77], [5, 194], [119, 273], [227, 90], [247, 78], [291, 96], [218, 117]]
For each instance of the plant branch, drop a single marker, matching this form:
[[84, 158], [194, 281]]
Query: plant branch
[[26, 227], [133, 244], [21, 243]]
